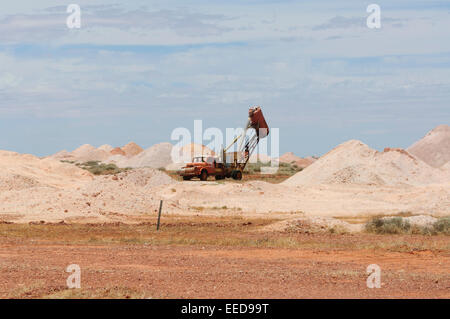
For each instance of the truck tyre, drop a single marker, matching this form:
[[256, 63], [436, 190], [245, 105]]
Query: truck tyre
[[237, 175], [204, 175]]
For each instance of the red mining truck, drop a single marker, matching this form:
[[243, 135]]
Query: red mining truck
[[232, 164]]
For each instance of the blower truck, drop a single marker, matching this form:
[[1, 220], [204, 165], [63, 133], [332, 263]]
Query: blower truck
[[230, 164]]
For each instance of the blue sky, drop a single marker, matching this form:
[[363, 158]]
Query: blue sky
[[137, 70]]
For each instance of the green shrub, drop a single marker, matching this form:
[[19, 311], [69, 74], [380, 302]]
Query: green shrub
[[283, 168], [397, 225], [442, 225], [394, 225], [98, 168]]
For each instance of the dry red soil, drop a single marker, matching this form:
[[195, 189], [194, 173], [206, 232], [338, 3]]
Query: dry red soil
[[36, 268]]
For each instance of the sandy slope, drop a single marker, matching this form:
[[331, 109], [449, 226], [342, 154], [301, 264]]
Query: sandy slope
[[350, 180], [433, 148], [353, 162], [291, 158], [320, 200], [132, 149], [46, 189], [157, 156], [24, 171]]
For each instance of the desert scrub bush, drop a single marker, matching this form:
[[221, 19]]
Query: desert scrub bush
[[338, 229], [394, 225], [67, 161], [397, 225], [442, 226], [97, 168], [283, 168]]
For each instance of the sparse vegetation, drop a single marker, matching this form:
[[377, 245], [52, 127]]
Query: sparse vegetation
[[98, 168], [442, 225], [100, 293], [394, 225], [283, 169], [213, 231], [398, 225], [337, 229]]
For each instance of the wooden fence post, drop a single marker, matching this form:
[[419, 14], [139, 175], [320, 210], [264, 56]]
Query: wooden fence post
[[159, 215]]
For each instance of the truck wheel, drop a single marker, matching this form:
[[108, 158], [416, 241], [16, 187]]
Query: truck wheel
[[204, 175], [186, 178], [237, 175]]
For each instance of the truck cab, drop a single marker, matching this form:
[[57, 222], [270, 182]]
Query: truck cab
[[201, 167]]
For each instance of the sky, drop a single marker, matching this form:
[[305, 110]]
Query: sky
[[136, 70]]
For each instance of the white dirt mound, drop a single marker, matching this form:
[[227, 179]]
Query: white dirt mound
[[184, 154], [289, 158], [175, 166], [82, 154], [433, 148], [106, 148], [353, 162], [157, 156], [23, 171], [263, 158], [187, 152], [117, 151], [305, 162], [46, 189], [88, 152], [63, 156], [132, 149]]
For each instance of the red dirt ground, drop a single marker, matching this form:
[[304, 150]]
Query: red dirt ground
[[31, 270]]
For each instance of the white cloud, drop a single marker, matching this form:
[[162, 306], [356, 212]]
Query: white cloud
[[317, 68]]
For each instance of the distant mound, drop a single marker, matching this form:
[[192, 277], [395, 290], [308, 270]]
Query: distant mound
[[62, 156], [132, 149], [185, 153], [117, 151], [289, 158], [84, 153], [157, 156], [87, 153], [353, 162], [433, 148], [106, 148], [263, 158], [305, 162]]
